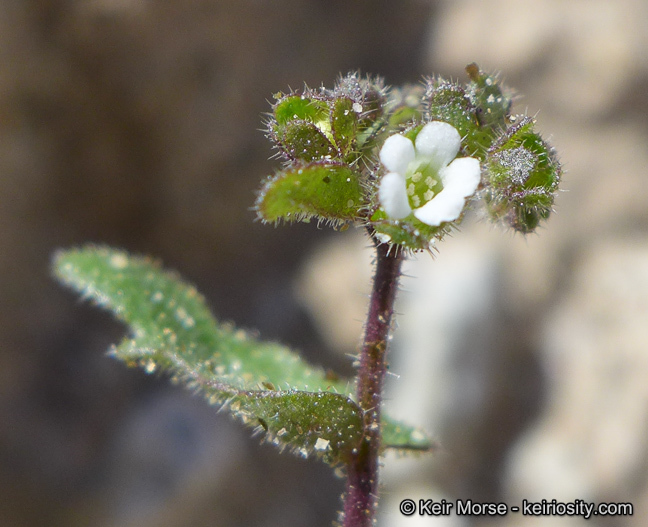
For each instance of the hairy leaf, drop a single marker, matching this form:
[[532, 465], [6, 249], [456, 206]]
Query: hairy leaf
[[173, 330], [263, 384]]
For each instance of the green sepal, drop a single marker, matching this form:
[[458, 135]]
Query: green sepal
[[367, 99], [265, 385], [409, 233], [492, 102], [302, 140], [371, 121], [372, 108], [326, 190], [291, 107], [526, 218], [344, 125]]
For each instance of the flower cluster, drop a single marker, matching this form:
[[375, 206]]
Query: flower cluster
[[407, 162]]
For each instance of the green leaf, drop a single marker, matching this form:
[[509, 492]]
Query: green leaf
[[327, 190], [265, 385]]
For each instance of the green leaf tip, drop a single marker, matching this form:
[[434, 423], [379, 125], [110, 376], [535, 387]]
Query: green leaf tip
[[404, 438], [264, 385]]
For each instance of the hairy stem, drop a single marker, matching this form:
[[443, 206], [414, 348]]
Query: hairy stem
[[362, 471]]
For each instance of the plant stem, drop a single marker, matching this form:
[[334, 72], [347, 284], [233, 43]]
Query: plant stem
[[361, 496]]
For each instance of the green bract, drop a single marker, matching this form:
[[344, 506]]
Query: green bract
[[325, 190], [292, 107], [303, 140], [265, 385]]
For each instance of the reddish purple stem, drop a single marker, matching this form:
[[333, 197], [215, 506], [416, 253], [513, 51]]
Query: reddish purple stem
[[361, 496]]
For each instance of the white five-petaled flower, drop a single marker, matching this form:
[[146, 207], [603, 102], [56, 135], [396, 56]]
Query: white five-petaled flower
[[424, 177]]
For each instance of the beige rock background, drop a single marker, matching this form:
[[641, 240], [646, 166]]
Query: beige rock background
[[134, 123]]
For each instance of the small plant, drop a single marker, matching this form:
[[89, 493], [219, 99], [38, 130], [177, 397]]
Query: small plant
[[404, 164]]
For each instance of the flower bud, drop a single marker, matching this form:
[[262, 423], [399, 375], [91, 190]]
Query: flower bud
[[521, 177], [491, 100], [446, 101]]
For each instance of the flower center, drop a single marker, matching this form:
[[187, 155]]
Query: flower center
[[423, 183]]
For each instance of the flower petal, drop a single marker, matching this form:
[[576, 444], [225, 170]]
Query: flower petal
[[396, 153], [445, 206], [392, 194], [438, 141], [460, 179], [462, 176]]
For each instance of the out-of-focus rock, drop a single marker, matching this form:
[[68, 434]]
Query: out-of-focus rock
[[590, 441]]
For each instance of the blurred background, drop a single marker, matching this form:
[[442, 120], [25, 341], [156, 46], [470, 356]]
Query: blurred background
[[135, 123]]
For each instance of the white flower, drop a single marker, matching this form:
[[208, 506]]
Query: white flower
[[424, 177]]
